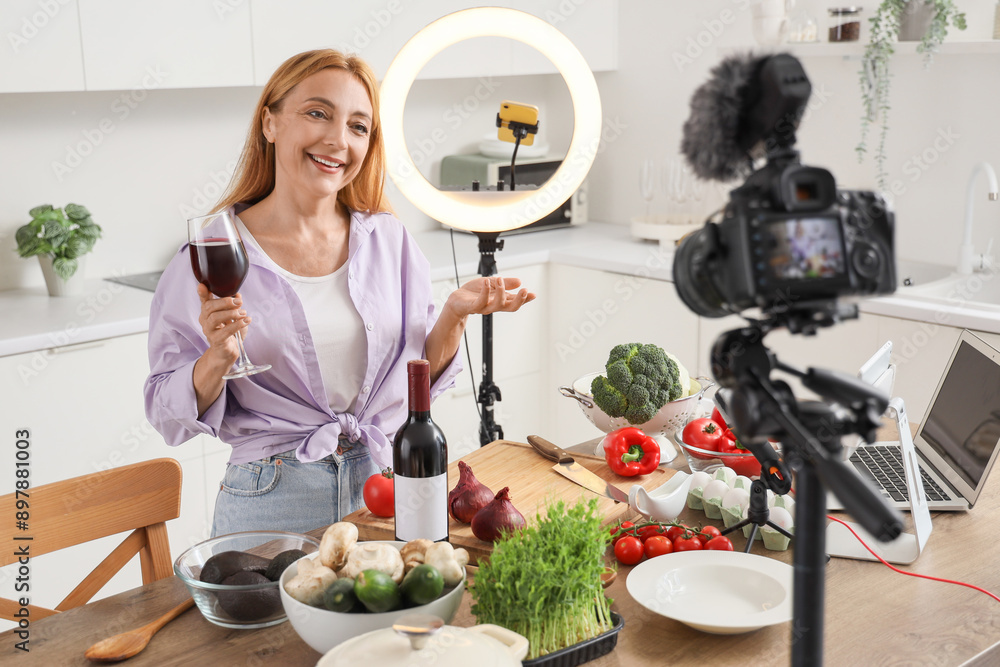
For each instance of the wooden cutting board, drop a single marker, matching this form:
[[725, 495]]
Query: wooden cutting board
[[532, 482]]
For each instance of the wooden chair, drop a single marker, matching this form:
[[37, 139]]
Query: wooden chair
[[140, 497]]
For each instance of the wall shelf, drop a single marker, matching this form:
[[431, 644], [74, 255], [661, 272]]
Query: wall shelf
[[854, 50]]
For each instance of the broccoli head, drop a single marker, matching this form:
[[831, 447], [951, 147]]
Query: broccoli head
[[641, 379]]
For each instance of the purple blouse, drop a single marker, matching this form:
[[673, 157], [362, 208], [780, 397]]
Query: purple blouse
[[286, 407]]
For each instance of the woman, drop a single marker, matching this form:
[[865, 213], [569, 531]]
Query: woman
[[343, 300]]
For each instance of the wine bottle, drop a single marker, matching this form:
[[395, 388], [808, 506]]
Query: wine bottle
[[420, 465]]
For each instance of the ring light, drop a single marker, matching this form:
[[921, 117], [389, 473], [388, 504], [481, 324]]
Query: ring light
[[491, 211]]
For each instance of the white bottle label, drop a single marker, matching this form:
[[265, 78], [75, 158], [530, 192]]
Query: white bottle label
[[421, 507]]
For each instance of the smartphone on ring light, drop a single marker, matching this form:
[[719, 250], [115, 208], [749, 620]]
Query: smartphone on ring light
[[526, 114]]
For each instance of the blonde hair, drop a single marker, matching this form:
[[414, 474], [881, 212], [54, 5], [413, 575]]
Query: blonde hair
[[254, 176]]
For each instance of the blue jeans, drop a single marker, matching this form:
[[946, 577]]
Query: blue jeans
[[282, 493]]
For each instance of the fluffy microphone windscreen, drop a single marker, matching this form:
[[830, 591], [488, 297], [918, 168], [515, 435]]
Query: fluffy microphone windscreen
[[711, 142]]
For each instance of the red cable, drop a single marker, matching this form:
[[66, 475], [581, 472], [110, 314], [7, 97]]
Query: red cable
[[911, 574]]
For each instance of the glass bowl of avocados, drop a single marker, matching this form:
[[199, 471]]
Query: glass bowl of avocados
[[234, 578]]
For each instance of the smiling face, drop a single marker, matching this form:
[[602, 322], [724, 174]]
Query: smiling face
[[320, 132]]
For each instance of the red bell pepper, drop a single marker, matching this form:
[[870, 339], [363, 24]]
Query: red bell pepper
[[630, 452]]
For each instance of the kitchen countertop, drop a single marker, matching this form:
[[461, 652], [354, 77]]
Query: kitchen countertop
[[34, 321]]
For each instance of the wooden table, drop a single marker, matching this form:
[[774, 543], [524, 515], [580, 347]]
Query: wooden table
[[873, 616]]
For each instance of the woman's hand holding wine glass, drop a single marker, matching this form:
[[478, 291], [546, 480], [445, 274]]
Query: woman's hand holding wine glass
[[220, 319], [220, 265]]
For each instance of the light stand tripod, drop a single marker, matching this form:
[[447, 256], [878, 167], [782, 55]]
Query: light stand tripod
[[489, 430], [810, 433]]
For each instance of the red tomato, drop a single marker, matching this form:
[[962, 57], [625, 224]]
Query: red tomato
[[676, 531], [687, 544], [719, 543], [647, 532], [746, 465], [628, 550], [657, 545], [702, 433], [379, 494], [707, 533], [615, 529], [717, 418]]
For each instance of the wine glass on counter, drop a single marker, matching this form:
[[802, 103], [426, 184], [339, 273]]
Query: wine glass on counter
[[647, 180], [220, 263]]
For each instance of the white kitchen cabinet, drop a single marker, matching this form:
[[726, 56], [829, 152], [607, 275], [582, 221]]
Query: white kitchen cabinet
[[83, 406], [43, 46], [590, 312], [139, 46], [378, 30]]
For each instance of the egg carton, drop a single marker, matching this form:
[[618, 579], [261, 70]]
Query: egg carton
[[725, 495]]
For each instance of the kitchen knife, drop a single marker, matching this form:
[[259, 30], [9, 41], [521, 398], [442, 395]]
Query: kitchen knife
[[573, 471]]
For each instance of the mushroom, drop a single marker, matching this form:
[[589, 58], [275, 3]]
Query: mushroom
[[337, 542], [373, 556], [413, 553], [310, 581], [450, 562]]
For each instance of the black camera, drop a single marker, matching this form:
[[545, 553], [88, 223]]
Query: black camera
[[789, 242]]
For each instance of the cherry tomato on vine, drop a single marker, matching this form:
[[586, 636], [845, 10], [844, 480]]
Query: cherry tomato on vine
[[676, 531], [719, 543], [707, 533], [615, 529], [657, 545], [628, 550], [647, 532], [683, 543], [379, 494]]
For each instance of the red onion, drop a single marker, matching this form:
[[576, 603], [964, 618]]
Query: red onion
[[497, 517], [469, 495]]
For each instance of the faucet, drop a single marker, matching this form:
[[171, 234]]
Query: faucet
[[965, 250]]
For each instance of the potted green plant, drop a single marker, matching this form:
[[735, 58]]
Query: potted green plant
[[59, 238], [898, 20]]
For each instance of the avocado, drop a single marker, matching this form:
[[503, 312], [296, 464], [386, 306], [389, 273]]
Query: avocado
[[282, 561], [249, 605], [227, 563]]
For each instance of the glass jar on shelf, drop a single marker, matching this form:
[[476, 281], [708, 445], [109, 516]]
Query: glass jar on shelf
[[802, 28], [844, 24]]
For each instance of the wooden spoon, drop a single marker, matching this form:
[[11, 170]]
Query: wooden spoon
[[127, 644]]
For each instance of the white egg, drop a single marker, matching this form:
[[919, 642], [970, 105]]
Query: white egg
[[736, 498], [715, 490], [787, 502], [742, 482], [728, 475], [770, 498], [700, 479], [781, 517]]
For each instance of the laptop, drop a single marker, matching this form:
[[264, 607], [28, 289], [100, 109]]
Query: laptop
[[958, 441]]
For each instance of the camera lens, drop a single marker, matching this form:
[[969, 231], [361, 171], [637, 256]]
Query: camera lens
[[693, 275]]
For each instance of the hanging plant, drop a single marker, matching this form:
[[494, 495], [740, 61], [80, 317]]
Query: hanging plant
[[875, 75]]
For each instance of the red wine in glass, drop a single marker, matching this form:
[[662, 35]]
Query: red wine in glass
[[220, 265], [219, 262]]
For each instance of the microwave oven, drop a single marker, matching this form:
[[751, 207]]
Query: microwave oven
[[459, 171]]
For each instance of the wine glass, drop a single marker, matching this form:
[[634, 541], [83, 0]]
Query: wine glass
[[220, 263], [647, 179]]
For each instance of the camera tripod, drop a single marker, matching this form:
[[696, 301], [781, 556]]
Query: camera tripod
[[757, 515], [810, 433]]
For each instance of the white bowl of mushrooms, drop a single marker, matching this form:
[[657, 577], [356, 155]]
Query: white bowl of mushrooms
[[303, 583]]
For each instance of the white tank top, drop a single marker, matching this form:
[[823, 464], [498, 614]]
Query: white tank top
[[336, 327]]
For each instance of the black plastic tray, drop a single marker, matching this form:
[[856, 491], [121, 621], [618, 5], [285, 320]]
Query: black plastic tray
[[577, 654]]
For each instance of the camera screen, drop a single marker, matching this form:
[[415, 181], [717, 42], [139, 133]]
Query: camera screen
[[804, 248]]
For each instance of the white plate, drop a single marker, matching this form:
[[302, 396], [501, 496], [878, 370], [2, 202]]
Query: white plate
[[720, 592]]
